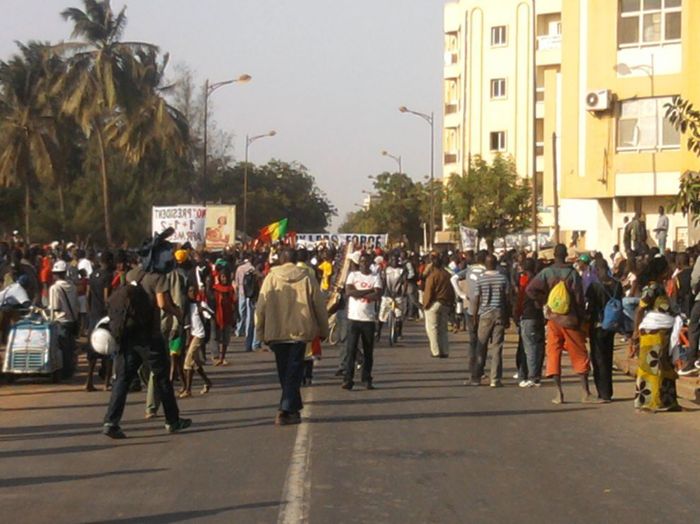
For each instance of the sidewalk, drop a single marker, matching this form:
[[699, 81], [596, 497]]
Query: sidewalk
[[688, 388]]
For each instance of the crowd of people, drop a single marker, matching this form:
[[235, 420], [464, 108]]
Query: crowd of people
[[167, 304]]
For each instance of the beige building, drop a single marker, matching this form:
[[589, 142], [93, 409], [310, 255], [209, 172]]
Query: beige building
[[489, 87]]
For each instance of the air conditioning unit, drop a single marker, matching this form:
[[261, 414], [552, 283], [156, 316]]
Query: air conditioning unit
[[598, 100]]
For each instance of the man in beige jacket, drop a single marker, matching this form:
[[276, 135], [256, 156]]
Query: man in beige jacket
[[290, 312]]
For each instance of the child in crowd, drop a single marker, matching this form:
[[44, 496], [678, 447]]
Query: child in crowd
[[225, 299], [193, 359]]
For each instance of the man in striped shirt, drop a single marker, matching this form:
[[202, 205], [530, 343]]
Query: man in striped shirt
[[491, 321]]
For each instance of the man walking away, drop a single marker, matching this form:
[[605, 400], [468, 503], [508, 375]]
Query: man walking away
[[290, 313], [363, 289], [140, 303], [241, 271], [565, 315], [394, 279], [492, 306], [470, 276], [438, 299], [661, 230], [531, 323], [63, 303], [598, 295], [99, 289]]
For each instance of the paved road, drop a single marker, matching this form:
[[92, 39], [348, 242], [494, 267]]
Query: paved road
[[421, 448]]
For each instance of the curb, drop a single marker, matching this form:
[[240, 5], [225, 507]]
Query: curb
[[687, 388]]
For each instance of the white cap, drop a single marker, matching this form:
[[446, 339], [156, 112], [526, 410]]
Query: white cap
[[54, 244], [60, 266], [355, 257], [70, 245]]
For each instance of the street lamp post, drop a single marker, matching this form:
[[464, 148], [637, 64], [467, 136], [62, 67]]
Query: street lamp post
[[430, 119], [249, 140], [208, 90], [397, 159]]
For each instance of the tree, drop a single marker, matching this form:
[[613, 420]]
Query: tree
[[490, 198], [96, 83], [28, 141], [398, 207], [686, 119]]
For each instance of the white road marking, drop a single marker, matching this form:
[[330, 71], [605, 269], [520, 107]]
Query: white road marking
[[297, 485]]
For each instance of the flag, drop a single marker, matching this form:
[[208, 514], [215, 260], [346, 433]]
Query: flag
[[274, 231]]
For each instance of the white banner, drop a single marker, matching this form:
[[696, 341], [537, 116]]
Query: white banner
[[343, 238], [469, 237], [187, 221]]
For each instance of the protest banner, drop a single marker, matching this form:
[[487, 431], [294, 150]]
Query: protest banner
[[376, 240], [469, 238], [187, 221], [219, 227]]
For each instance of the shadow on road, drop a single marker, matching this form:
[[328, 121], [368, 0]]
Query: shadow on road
[[16, 453], [179, 516], [33, 481]]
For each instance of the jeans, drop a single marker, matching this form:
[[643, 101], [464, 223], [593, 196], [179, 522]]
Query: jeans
[[242, 315], [532, 340], [413, 305], [602, 342], [290, 369], [490, 328], [357, 330], [470, 330], [251, 341], [661, 240], [128, 368], [66, 343], [436, 327]]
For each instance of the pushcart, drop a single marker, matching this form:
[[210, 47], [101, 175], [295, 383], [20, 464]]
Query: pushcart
[[32, 348]]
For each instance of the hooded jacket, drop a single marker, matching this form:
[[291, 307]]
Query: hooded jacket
[[290, 307]]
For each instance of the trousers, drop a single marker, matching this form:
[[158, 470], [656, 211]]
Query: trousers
[[602, 343], [490, 329], [289, 358], [129, 363], [359, 330], [436, 317]]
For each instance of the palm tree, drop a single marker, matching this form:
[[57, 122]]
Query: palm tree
[[96, 86], [28, 143]]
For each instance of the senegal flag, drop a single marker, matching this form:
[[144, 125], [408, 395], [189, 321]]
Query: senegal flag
[[274, 232]]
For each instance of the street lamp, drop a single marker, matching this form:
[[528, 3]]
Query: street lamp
[[430, 119], [208, 90], [249, 140], [396, 158]]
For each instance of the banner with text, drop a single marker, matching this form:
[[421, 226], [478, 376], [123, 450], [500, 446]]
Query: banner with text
[[342, 238], [220, 227], [469, 238], [187, 221]]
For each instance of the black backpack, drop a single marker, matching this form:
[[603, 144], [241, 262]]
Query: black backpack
[[251, 285], [130, 313]]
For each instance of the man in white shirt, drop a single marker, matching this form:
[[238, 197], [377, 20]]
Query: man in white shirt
[[64, 307], [363, 289], [662, 229]]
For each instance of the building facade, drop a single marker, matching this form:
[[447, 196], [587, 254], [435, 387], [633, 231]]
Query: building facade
[[603, 72]]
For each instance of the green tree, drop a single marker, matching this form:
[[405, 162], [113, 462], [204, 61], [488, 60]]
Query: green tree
[[97, 84], [686, 119], [490, 198], [28, 140]]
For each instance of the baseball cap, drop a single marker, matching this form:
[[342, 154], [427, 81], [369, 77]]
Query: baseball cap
[[355, 257], [70, 245], [59, 266], [585, 258]]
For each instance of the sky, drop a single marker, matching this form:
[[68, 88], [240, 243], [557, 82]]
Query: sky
[[328, 76]]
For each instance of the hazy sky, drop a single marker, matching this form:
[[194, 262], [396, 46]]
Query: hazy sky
[[328, 75]]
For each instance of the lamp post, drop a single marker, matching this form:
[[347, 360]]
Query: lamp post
[[208, 90], [430, 119], [397, 159], [249, 140]]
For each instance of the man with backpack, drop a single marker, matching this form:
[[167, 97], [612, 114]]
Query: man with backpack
[[604, 306], [251, 290], [559, 290], [64, 307], [134, 312], [241, 271]]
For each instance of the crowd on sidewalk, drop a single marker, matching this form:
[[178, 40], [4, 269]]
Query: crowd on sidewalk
[[167, 304]]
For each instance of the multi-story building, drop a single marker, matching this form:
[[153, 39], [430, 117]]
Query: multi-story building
[[603, 72], [489, 85]]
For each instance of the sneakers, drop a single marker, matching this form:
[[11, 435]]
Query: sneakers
[[526, 384], [114, 432], [182, 423], [689, 369], [496, 384], [287, 419]]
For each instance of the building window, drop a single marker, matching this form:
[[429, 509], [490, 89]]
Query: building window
[[497, 140], [641, 125], [498, 35], [498, 88], [648, 22]]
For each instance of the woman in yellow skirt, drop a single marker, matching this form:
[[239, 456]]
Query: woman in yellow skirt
[[656, 378]]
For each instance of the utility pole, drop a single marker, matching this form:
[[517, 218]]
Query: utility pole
[[555, 188]]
